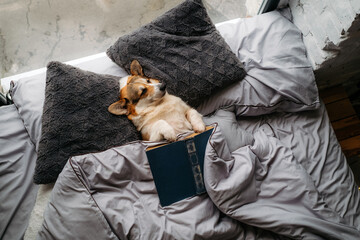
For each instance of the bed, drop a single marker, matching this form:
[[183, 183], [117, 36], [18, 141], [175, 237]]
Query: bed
[[273, 168]]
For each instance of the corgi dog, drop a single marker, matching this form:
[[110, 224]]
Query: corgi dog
[[157, 114]]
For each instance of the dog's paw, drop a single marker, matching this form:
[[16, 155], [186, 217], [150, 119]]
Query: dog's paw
[[199, 127], [170, 135]]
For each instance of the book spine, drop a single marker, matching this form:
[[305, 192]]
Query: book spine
[[195, 165]]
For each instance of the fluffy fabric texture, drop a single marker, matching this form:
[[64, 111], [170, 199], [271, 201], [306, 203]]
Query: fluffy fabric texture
[[184, 49], [75, 119]]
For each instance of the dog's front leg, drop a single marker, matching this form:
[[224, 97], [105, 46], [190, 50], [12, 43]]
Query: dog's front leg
[[195, 120], [162, 130]]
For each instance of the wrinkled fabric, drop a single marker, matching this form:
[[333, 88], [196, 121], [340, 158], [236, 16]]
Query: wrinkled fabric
[[235, 136], [279, 77], [17, 163], [259, 191], [78, 218], [119, 181], [264, 186], [313, 141]]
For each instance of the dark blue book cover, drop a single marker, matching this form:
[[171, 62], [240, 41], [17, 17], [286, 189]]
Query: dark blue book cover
[[177, 168]]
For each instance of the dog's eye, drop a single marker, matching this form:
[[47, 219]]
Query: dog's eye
[[148, 81], [143, 91]]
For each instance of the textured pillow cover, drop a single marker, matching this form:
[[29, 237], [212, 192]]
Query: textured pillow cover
[[28, 92], [183, 48], [75, 119]]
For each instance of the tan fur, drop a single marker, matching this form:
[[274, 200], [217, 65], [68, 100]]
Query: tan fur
[[155, 113]]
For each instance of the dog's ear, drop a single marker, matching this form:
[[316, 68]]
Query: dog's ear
[[118, 108], [136, 69]]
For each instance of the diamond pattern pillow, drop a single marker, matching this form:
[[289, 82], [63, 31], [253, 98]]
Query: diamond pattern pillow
[[184, 49], [75, 118]]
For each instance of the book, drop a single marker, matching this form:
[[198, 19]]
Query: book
[[177, 167]]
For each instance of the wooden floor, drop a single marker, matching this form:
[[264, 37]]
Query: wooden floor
[[346, 124]]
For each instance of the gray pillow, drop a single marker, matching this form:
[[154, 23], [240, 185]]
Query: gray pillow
[[28, 92], [279, 75], [184, 49], [75, 118]]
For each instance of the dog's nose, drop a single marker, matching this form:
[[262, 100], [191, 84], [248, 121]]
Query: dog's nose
[[162, 86]]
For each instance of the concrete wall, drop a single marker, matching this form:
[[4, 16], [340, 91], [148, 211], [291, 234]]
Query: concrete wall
[[331, 30], [34, 32]]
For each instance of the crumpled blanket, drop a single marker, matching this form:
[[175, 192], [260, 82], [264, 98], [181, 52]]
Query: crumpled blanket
[[259, 191], [264, 186]]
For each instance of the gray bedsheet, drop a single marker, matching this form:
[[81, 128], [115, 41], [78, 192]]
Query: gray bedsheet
[[265, 188], [17, 163], [280, 179]]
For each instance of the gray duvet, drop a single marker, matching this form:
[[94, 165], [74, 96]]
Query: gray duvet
[[263, 184], [17, 163], [273, 167]]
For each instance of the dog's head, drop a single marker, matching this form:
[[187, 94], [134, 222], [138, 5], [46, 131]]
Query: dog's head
[[137, 92]]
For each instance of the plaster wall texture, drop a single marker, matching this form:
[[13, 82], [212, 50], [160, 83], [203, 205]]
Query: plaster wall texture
[[34, 32]]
